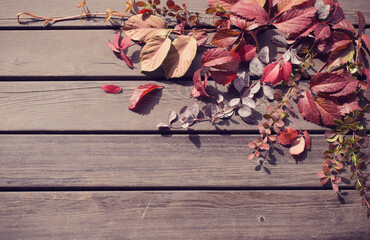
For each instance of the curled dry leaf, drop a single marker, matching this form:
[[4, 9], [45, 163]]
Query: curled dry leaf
[[180, 56], [142, 27], [154, 52], [140, 92], [297, 146], [172, 116]]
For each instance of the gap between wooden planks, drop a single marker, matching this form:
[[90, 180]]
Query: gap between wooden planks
[[181, 215], [56, 8]]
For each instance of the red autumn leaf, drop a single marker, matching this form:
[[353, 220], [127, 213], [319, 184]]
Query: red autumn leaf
[[125, 43], [272, 74], [347, 90], [361, 23], [250, 11], [366, 41], [112, 47], [225, 38], [127, 60], [216, 56], [322, 31], [337, 16], [308, 107], [286, 70], [307, 139], [247, 52], [287, 136], [344, 25], [223, 77], [199, 85], [142, 11], [327, 82], [297, 146], [349, 104], [140, 92], [328, 111], [295, 20], [111, 89], [116, 40]]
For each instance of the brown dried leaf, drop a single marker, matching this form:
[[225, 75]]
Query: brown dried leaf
[[297, 146], [180, 56], [142, 27], [154, 52]]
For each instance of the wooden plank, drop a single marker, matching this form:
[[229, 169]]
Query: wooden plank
[[41, 53], [154, 161], [55, 8], [63, 106], [73, 53], [182, 215]]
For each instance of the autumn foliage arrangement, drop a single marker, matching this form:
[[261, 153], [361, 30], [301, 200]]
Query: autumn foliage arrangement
[[171, 36]]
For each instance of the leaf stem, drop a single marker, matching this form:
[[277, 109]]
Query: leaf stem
[[82, 15]]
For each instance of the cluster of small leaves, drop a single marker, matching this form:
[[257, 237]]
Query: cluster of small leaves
[[346, 145], [171, 9]]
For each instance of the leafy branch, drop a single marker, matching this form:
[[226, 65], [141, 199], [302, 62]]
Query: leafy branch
[[306, 30]]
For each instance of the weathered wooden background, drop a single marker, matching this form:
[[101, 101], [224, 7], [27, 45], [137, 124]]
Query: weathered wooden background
[[77, 164]]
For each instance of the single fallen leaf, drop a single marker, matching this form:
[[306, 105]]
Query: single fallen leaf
[[272, 74], [140, 92], [142, 27], [297, 146], [154, 52], [287, 136], [180, 56], [111, 89]]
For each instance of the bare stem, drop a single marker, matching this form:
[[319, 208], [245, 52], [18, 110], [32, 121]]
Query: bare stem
[[79, 16]]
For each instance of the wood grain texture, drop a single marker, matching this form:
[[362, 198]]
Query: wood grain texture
[[55, 8], [154, 161], [83, 106], [182, 215], [85, 53]]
